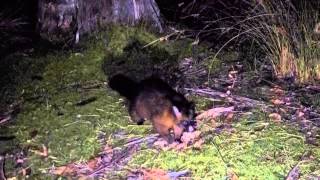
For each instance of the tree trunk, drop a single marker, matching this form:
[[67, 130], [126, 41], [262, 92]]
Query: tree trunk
[[65, 20]]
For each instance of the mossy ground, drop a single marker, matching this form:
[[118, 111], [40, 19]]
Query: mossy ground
[[51, 117], [255, 149]]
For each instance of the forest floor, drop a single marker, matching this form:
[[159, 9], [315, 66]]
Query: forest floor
[[60, 118]]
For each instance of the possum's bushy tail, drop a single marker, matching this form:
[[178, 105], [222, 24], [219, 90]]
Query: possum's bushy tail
[[124, 86]]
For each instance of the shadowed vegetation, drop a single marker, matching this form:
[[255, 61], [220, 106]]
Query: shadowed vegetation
[[65, 105]]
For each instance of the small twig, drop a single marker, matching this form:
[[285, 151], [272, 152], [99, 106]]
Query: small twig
[[220, 154], [294, 173], [2, 174], [207, 92], [5, 119], [77, 122], [86, 101], [162, 39], [313, 119], [124, 153], [211, 92], [269, 82], [152, 137], [84, 86], [130, 146], [87, 115]]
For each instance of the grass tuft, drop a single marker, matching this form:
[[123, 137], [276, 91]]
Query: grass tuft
[[284, 31]]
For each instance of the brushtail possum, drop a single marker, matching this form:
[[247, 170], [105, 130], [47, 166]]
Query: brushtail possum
[[155, 100]]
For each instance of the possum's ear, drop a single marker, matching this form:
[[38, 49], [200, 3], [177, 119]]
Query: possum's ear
[[176, 112]]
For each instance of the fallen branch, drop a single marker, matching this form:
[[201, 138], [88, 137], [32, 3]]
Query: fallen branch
[[294, 173], [230, 98]]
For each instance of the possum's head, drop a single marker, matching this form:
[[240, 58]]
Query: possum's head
[[186, 123]]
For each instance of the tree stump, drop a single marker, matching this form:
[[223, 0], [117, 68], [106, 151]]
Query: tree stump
[[65, 20]]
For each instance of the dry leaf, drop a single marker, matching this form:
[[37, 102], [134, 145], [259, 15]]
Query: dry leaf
[[198, 144], [229, 117], [232, 175], [173, 145], [181, 146], [300, 114], [43, 153], [92, 164], [69, 169], [107, 149], [213, 123], [275, 117], [277, 102], [233, 72], [155, 174], [161, 143], [85, 178], [188, 139], [277, 91], [25, 171], [283, 110]]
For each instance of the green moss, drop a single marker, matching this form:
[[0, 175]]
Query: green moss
[[251, 152], [50, 115], [69, 131]]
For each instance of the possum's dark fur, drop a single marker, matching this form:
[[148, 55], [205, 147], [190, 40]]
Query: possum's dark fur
[[154, 99]]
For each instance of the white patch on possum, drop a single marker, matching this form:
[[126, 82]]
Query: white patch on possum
[[176, 112]]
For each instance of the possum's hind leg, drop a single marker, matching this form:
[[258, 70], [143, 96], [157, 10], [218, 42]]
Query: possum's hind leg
[[140, 121]]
